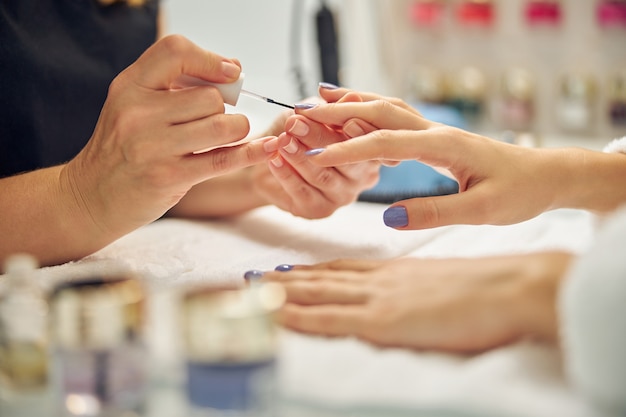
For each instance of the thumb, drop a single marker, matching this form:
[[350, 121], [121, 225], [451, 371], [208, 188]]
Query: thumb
[[170, 57], [429, 212]]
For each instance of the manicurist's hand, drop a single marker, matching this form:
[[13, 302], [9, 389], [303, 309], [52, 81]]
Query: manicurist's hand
[[139, 162], [499, 183], [455, 305]]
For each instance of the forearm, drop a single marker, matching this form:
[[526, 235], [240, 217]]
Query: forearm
[[227, 195], [540, 279], [588, 180], [41, 215]]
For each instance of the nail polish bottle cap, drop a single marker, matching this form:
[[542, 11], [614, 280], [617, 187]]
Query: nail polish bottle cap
[[517, 83], [230, 92], [427, 84], [469, 83], [578, 86]]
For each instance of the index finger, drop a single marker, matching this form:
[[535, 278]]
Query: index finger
[[432, 147], [161, 64], [380, 113], [225, 159], [329, 320]]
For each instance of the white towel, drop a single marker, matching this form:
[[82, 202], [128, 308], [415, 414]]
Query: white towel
[[520, 380]]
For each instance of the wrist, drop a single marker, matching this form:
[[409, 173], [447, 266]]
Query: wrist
[[591, 180]]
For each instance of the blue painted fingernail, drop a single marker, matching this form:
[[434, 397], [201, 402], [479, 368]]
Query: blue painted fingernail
[[328, 86], [305, 106], [316, 151], [253, 275], [396, 217], [283, 268]]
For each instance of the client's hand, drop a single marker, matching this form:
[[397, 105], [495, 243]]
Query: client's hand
[[499, 183], [456, 305]]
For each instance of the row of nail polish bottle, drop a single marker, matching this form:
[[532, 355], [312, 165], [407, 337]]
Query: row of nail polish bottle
[[81, 349], [431, 13]]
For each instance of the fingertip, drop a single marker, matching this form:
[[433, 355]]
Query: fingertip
[[230, 70], [313, 152], [327, 86], [304, 106]]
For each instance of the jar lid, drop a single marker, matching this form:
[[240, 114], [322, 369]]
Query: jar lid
[[231, 325], [97, 313]]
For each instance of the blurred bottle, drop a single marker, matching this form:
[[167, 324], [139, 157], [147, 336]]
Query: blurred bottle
[[427, 84], [476, 13], [427, 13], [23, 328], [99, 351], [617, 99], [575, 104], [467, 92], [514, 108], [611, 14], [231, 350], [543, 13]]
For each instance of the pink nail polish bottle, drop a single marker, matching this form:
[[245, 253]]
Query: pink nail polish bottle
[[543, 12], [426, 13], [611, 13]]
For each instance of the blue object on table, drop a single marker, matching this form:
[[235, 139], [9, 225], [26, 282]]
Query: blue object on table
[[412, 179]]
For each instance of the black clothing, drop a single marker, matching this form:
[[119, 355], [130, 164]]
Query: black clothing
[[57, 59]]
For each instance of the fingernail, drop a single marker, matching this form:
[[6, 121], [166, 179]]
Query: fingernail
[[283, 268], [292, 147], [396, 217], [277, 162], [253, 275], [271, 145], [230, 70], [312, 152], [328, 86], [305, 106], [353, 129], [299, 128]]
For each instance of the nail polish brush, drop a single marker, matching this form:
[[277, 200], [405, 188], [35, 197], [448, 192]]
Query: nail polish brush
[[230, 92]]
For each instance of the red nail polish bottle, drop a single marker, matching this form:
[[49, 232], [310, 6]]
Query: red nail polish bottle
[[476, 13]]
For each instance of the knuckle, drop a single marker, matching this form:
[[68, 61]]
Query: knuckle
[[317, 291], [430, 213], [219, 125], [174, 45], [221, 161], [326, 178]]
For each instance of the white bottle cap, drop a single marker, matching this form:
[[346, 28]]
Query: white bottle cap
[[230, 92]]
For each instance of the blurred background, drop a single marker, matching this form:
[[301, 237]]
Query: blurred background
[[551, 68], [531, 72]]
